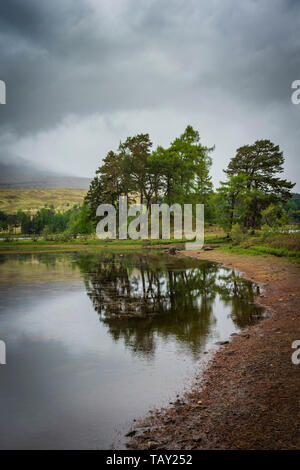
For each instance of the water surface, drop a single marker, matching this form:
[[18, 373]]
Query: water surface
[[95, 340]]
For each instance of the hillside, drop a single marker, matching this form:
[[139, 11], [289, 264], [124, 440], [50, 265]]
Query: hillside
[[33, 199]]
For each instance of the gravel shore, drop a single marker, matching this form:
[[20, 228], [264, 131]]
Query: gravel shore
[[249, 395]]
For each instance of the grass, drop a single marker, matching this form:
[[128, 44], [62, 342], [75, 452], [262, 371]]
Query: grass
[[64, 247], [80, 244], [263, 251], [290, 241], [278, 244], [11, 200], [88, 242], [34, 245]]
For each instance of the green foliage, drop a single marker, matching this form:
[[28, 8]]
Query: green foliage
[[264, 250], [186, 169], [231, 201], [274, 216], [136, 171], [266, 230], [81, 223], [46, 233], [177, 174], [253, 183], [44, 222], [3, 221], [292, 207], [94, 196], [237, 234], [253, 194], [271, 241]]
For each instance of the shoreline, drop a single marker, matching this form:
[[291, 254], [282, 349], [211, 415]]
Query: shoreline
[[248, 397]]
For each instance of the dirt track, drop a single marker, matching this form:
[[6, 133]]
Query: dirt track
[[249, 396]]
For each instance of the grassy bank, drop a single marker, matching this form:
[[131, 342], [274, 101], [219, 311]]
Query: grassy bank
[[285, 245], [264, 250], [83, 244], [74, 244]]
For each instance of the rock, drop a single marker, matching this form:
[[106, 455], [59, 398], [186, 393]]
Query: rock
[[222, 342], [207, 248], [151, 445], [130, 433], [229, 353], [171, 251]]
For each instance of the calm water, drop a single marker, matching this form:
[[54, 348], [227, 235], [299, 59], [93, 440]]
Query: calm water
[[95, 340]]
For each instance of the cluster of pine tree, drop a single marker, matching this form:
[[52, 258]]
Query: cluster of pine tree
[[181, 174]]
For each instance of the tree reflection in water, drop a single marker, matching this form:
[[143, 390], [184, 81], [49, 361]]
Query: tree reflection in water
[[141, 296]]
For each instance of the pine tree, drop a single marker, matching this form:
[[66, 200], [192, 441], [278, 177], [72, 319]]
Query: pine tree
[[260, 163]]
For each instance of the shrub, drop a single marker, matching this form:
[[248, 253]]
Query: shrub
[[237, 234], [8, 237], [274, 216], [46, 233]]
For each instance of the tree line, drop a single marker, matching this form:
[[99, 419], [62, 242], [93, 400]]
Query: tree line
[[253, 193], [46, 221]]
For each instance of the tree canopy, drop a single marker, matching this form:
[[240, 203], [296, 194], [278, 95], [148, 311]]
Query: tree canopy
[[177, 174], [253, 184], [254, 193]]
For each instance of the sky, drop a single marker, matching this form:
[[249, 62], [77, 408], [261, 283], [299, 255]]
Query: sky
[[81, 75]]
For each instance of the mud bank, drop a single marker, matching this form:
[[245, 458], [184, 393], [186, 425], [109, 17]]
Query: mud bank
[[249, 395]]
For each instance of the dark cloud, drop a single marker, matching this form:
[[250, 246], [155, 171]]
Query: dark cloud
[[235, 60]]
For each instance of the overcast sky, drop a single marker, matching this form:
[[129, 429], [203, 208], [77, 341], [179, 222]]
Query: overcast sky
[[81, 75]]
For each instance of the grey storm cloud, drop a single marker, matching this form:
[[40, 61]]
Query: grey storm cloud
[[72, 56], [82, 57]]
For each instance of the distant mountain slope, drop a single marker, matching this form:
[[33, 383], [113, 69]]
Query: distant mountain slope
[[62, 199], [16, 172]]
